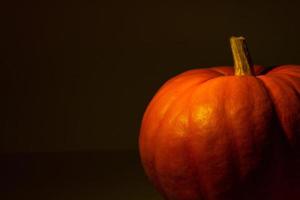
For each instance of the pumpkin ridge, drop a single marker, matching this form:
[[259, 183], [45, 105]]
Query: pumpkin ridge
[[194, 157], [165, 89], [245, 179], [283, 68], [192, 160], [240, 177], [218, 70], [287, 73], [190, 156], [285, 77], [157, 180], [275, 109], [191, 153], [161, 122], [233, 155], [234, 146], [229, 172], [254, 144], [163, 93], [291, 85], [156, 152], [185, 75]]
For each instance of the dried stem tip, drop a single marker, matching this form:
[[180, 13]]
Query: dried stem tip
[[242, 60]]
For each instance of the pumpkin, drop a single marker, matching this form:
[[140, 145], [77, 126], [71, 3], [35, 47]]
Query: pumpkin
[[225, 132]]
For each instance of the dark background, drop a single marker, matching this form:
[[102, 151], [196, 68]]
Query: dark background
[[76, 77]]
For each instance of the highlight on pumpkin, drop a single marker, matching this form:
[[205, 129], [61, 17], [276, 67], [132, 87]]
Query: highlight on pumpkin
[[203, 114]]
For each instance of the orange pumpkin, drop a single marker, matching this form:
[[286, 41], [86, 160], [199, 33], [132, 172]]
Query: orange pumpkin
[[225, 133]]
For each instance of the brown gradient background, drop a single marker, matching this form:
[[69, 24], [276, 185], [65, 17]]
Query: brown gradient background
[[76, 77]]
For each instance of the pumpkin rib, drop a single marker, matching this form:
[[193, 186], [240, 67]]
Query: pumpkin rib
[[285, 68], [280, 114], [165, 89], [153, 160], [166, 92], [251, 137], [196, 85], [156, 152], [161, 122], [227, 144], [265, 159], [290, 73], [219, 71], [194, 168], [271, 99], [233, 155], [187, 155], [183, 77], [259, 114], [224, 70], [289, 80], [234, 138], [256, 107], [168, 87], [157, 140], [230, 124], [194, 156], [270, 96]]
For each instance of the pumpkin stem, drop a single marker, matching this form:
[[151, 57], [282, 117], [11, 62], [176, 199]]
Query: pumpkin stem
[[242, 60]]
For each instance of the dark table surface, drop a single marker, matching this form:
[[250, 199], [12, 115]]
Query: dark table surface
[[75, 176]]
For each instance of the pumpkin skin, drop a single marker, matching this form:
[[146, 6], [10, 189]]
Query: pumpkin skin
[[210, 135]]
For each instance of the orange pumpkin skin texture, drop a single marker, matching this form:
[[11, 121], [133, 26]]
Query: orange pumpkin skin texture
[[210, 135]]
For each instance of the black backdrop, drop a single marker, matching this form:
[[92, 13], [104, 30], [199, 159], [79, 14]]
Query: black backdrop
[[76, 75]]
